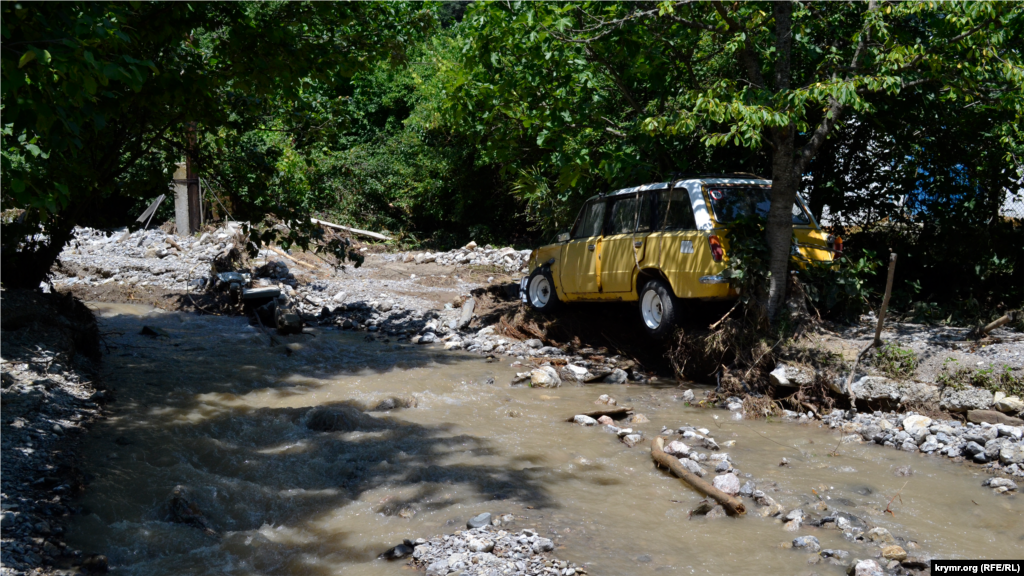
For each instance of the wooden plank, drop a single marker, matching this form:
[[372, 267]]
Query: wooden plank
[[356, 231]]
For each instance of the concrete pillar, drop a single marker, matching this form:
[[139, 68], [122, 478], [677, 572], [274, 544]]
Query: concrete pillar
[[181, 214]]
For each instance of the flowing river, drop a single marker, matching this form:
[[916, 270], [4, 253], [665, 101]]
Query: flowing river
[[211, 406]]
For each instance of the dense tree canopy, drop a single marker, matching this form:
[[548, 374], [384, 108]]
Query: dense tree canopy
[[493, 121]]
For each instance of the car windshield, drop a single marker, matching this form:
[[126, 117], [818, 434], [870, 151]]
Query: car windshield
[[730, 203]]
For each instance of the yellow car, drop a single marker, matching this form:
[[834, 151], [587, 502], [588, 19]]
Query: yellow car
[[655, 244]]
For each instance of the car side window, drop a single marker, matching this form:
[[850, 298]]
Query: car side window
[[675, 211], [591, 220], [646, 219], [623, 220]]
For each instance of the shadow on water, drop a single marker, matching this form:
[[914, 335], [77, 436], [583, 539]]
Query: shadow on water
[[270, 475]]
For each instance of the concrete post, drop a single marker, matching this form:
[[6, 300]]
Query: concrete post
[[181, 212]]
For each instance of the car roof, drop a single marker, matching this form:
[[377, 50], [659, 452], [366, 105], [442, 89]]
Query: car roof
[[681, 184]]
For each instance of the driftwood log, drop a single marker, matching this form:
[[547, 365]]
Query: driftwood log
[[357, 231], [733, 505], [613, 413]]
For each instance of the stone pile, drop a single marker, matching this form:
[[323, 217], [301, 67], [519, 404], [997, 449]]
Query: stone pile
[[491, 551], [508, 259], [999, 446]]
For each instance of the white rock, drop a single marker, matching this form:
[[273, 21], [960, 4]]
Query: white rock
[[339, 297], [578, 371], [677, 448], [632, 440], [584, 420], [480, 545], [545, 377], [727, 483], [1008, 404], [914, 424]]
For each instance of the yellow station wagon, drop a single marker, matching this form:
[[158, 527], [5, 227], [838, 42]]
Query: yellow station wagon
[[655, 244]]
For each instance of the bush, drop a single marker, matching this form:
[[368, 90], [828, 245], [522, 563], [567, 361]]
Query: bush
[[896, 362]]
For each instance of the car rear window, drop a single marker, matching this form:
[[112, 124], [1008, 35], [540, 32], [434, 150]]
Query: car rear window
[[730, 203], [624, 217]]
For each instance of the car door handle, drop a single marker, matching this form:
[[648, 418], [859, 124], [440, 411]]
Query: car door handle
[[637, 244], [591, 247]]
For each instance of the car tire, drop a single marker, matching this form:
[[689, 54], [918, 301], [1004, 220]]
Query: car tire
[[659, 308], [540, 291]]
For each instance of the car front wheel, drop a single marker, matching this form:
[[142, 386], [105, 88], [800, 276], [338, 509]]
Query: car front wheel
[[658, 308], [540, 291]]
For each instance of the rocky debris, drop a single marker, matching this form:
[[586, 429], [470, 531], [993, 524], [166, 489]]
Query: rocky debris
[[490, 550], [999, 447], [507, 259], [966, 399], [791, 376], [49, 399]]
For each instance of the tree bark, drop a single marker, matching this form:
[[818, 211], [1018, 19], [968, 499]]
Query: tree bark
[[779, 228]]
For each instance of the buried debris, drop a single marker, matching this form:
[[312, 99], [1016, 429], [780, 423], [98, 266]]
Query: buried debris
[[733, 506]]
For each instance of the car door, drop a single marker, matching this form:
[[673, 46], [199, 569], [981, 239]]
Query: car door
[[676, 246], [579, 274], [625, 238]]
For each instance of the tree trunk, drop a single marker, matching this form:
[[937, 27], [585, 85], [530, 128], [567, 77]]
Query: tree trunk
[[779, 228]]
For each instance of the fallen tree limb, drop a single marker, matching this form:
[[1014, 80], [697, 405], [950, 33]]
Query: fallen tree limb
[[733, 505], [877, 341], [613, 413], [356, 231], [286, 255], [1003, 320]]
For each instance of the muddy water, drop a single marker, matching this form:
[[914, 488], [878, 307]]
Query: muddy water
[[212, 407]]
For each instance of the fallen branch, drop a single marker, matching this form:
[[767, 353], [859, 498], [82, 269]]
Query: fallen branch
[[356, 231], [613, 413], [733, 506], [983, 331], [877, 341], [286, 255]]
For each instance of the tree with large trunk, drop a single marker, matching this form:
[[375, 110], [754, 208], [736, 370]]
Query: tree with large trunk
[[773, 77]]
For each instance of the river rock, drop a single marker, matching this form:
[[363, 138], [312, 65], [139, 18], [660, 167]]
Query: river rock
[[605, 420], [915, 424], [479, 521], [965, 400], [688, 396], [584, 420], [1007, 404], [632, 440], [866, 568], [992, 417], [677, 449], [339, 418], [880, 534], [809, 543], [543, 545], [480, 545], [638, 419], [996, 482], [870, 388], [545, 377], [616, 376], [727, 483], [1011, 454], [693, 467], [894, 553]]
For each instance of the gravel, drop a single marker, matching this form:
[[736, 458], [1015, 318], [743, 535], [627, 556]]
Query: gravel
[[490, 550]]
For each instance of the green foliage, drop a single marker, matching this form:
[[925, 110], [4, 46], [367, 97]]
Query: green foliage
[[959, 377], [841, 290], [895, 361]]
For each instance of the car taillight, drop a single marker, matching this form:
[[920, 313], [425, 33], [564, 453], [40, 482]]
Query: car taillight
[[717, 252]]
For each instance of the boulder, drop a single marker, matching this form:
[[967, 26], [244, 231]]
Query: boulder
[[914, 424], [616, 376], [1007, 404], [677, 449], [1011, 454], [866, 568], [545, 377], [965, 400], [584, 420], [992, 417], [894, 553]]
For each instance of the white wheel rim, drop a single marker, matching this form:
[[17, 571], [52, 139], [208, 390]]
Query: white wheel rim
[[540, 292], [652, 310]]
